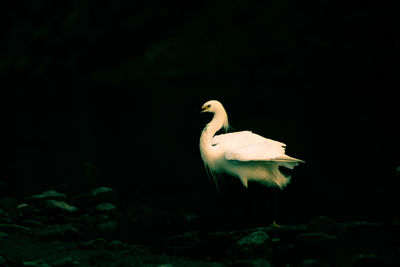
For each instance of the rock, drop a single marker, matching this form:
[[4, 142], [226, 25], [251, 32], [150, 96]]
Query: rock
[[3, 235], [4, 218], [177, 218], [107, 227], [38, 263], [48, 195], [94, 244], [83, 200], [30, 212], [105, 195], [251, 263], [102, 258], [59, 232], [60, 206], [325, 225], [65, 262], [106, 208], [285, 254], [22, 206], [311, 237], [366, 260], [116, 245], [181, 242], [313, 263], [14, 228], [317, 245], [32, 223], [256, 244], [140, 214], [2, 261]]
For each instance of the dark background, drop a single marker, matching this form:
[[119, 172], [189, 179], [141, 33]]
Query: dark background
[[110, 94]]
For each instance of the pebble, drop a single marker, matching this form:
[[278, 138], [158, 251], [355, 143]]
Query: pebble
[[313, 263], [255, 244], [107, 227], [106, 208], [48, 195], [37, 263], [94, 244], [65, 262], [325, 225], [3, 235], [4, 218], [184, 241], [252, 263], [366, 260], [61, 206], [105, 195], [14, 228], [59, 232], [2, 261]]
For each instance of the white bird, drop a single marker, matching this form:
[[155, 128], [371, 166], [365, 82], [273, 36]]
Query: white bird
[[245, 155]]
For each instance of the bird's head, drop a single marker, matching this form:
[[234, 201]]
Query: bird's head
[[214, 106]]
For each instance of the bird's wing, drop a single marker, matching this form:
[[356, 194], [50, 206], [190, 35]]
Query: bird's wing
[[239, 139], [267, 151], [247, 146]]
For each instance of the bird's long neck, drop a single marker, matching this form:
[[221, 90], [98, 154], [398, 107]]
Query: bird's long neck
[[219, 120]]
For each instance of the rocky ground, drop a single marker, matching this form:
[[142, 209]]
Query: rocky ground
[[91, 229]]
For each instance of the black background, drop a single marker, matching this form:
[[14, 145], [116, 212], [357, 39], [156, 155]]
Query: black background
[[115, 89]]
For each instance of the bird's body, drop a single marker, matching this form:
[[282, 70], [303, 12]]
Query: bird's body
[[245, 155]]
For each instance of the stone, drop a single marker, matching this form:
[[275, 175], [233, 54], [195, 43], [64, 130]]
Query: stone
[[14, 228], [102, 258], [285, 254], [105, 195], [106, 208], [3, 261], [313, 263], [3, 235], [325, 225], [317, 245], [65, 262], [32, 223], [94, 244], [366, 260], [140, 214], [116, 245], [59, 232], [107, 227], [27, 211], [60, 206], [48, 195], [185, 241], [315, 237], [22, 206], [256, 244], [37, 263], [4, 218], [251, 263]]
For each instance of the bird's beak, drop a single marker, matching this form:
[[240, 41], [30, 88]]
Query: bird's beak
[[204, 108]]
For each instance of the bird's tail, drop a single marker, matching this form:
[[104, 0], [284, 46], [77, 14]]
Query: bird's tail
[[281, 180]]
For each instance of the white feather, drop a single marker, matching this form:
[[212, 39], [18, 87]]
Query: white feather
[[245, 155]]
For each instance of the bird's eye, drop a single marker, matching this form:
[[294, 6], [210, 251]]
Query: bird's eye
[[205, 107]]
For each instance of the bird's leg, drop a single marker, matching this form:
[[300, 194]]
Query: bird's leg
[[274, 206]]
